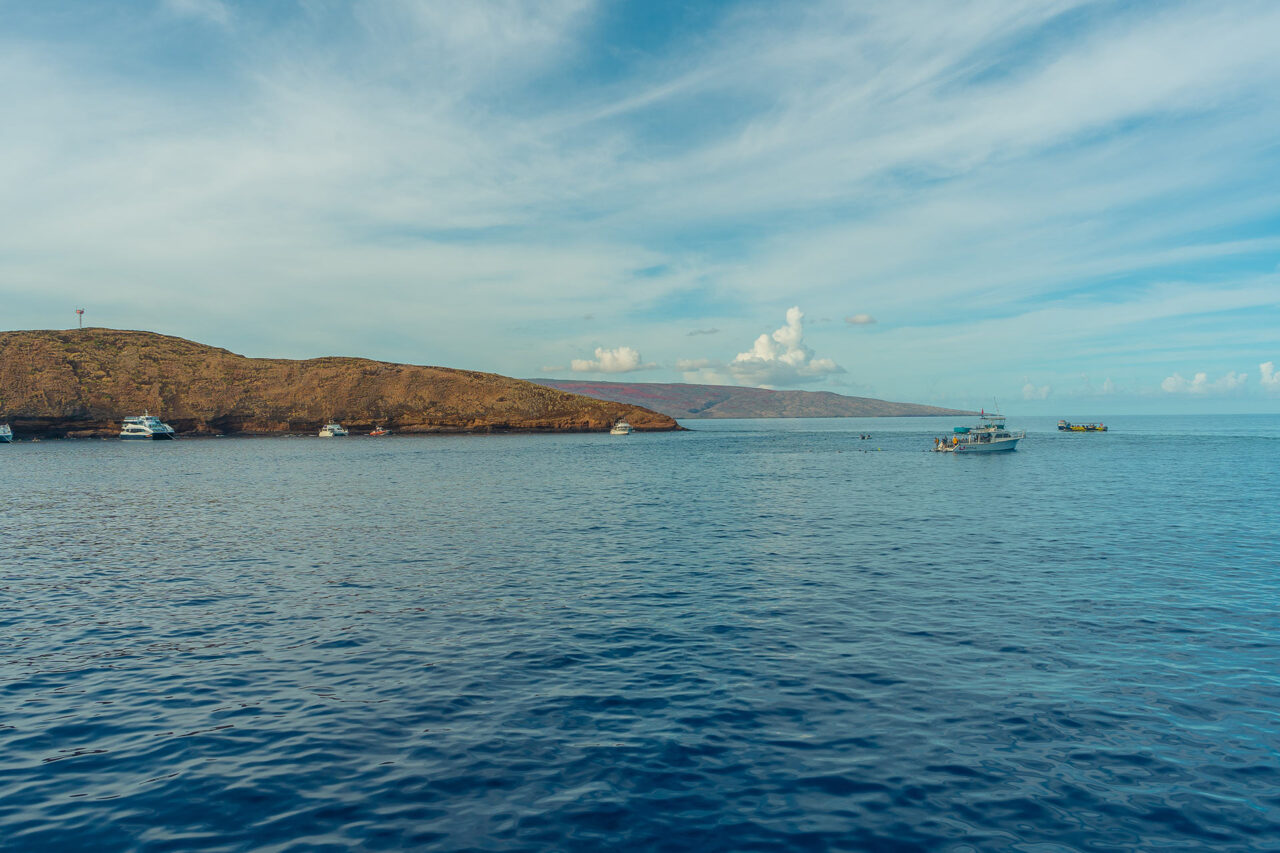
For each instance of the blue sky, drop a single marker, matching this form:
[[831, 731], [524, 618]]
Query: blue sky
[[1071, 207]]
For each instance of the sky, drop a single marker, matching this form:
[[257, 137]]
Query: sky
[[1066, 208]]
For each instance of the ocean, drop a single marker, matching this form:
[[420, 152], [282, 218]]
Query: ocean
[[756, 635]]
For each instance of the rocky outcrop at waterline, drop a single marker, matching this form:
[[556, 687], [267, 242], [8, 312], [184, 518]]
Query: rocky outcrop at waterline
[[83, 382]]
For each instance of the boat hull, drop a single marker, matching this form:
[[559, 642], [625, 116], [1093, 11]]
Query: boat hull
[[154, 437], [988, 447]]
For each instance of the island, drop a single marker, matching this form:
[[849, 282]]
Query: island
[[682, 400], [84, 382]]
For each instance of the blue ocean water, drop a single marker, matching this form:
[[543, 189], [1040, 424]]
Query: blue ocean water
[[758, 635]]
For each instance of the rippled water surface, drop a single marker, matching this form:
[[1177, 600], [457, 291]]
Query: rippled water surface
[[760, 635]]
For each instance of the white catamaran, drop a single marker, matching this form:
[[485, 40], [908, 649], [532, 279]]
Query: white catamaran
[[145, 426]]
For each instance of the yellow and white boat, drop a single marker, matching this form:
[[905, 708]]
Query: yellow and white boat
[[1067, 426]]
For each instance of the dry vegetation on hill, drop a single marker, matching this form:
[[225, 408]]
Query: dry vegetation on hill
[[83, 382]]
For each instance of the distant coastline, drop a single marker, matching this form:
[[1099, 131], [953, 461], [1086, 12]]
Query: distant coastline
[[687, 401]]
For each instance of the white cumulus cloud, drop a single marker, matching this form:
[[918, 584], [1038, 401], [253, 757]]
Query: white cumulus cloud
[[782, 357], [1200, 384], [620, 360], [1031, 391], [1270, 379], [1108, 387]]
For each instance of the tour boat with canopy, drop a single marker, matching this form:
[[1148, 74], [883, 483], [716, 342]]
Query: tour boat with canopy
[[989, 436], [1067, 426]]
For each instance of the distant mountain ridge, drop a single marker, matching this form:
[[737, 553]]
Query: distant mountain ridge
[[682, 400], [83, 382]]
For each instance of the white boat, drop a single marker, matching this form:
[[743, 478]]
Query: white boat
[[6, 434], [145, 426], [332, 431], [621, 428], [989, 436]]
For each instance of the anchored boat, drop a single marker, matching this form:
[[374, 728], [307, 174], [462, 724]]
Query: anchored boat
[[334, 430], [989, 436], [621, 428], [1067, 426], [6, 434], [145, 426]]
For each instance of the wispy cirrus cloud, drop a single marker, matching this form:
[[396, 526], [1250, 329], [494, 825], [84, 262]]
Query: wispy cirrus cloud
[[212, 11], [693, 364], [445, 183]]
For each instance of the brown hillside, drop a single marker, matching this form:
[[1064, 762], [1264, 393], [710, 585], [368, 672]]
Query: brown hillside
[[684, 401], [83, 382]]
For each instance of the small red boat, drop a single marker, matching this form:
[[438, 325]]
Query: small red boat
[[377, 431]]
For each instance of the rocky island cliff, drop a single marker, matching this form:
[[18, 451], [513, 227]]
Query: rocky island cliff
[[83, 382]]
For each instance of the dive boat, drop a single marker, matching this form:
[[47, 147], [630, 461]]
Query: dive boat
[[621, 428], [1067, 426], [145, 426], [989, 436], [6, 434], [377, 431], [332, 431]]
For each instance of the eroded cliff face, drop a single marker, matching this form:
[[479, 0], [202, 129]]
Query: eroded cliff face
[[83, 382]]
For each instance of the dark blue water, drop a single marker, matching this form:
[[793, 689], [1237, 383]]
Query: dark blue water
[[762, 635]]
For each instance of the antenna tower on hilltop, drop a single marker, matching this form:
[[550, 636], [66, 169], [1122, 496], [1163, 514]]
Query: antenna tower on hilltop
[[80, 316]]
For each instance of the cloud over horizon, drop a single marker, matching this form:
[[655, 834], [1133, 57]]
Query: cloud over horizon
[[782, 358], [1268, 376], [620, 360], [1200, 384]]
